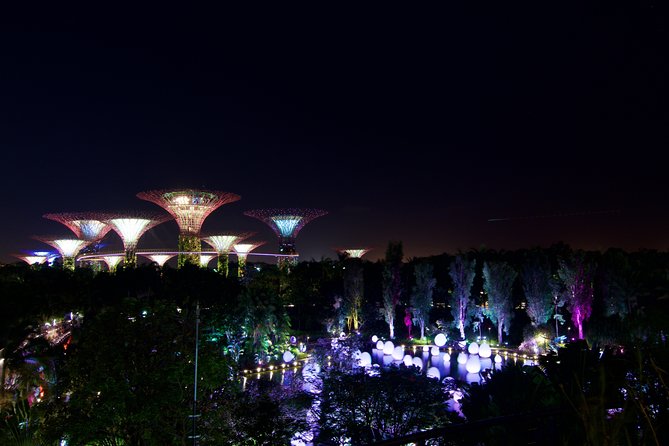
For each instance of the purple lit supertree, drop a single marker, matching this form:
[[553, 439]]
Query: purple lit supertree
[[130, 226], [222, 244], [67, 247], [189, 207], [286, 223], [242, 250]]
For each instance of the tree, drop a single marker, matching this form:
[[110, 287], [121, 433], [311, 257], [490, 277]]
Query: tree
[[576, 277], [392, 283], [498, 278], [619, 284], [536, 278], [353, 292], [462, 272], [421, 297]]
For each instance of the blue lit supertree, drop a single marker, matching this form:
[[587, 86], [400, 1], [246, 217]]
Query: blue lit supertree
[[286, 223]]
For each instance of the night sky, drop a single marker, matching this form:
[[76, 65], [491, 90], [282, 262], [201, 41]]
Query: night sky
[[413, 125]]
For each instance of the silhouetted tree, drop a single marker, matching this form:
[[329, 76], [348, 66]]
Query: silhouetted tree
[[421, 297], [462, 271], [498, 282]]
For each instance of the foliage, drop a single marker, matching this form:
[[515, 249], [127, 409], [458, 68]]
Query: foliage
[[498, 281], [576, 277], [392, 285], [536, 279], [421, 296], [358, 409], [462, 271], [353, 293]]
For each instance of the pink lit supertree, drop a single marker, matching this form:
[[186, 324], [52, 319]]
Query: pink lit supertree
[[222, 244], [89, 226], [242, 250], [286, 224], [130, 226], [67, 247], [189, 207]]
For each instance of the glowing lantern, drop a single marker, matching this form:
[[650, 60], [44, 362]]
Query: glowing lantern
[[440, 340], [484, 350], [473, 348]]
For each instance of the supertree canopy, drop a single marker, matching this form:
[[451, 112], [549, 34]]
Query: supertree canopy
[[32, 259], [67, 247], [286, 223], [222, 244], [189, 207], [130, 227], [205, 259], [242, 250], [112, 261], [160, 259], [354, 253], [88, 226]]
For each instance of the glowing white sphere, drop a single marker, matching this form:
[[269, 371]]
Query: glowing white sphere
[[484, 350], [408, 361], [473, 364], [288, 356], [365, 359], [356, 354], [418, 362], [435, 351], [473, 348], [375, 338], [447, 358], [440, 340], [388, 348], [498, 359], [398, 353], [379, 345], [433, 372], [426, 348], [462, 344], [462, 358]]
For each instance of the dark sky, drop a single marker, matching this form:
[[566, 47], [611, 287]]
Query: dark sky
[[412, 125]]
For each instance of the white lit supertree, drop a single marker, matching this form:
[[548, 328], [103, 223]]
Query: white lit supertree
[[67, 247], [353, 253], [112, 261], [242, 250], [205, 259], [286, 224], [222, 244], [130, 227], [189, 207], [160, 259], [32, 259]]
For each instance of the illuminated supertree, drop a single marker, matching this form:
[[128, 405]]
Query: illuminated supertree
[[222, 244], [354, 253], [67, 247], [242, 250], [130, 227], [160, 259], [89, 226], [112, 261], [286, 223], [32, 259], [189, 207], [205, 259]]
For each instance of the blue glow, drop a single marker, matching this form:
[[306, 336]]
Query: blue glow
[[286, 224]]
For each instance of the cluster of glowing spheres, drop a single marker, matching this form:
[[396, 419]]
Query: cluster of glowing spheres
[[288, 356], [484, 350], [130, 229], [286, 224], [365, 359], [388, 348], [440, 340], [473, 364], [434, 351], [473, 348], [433, 372]]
